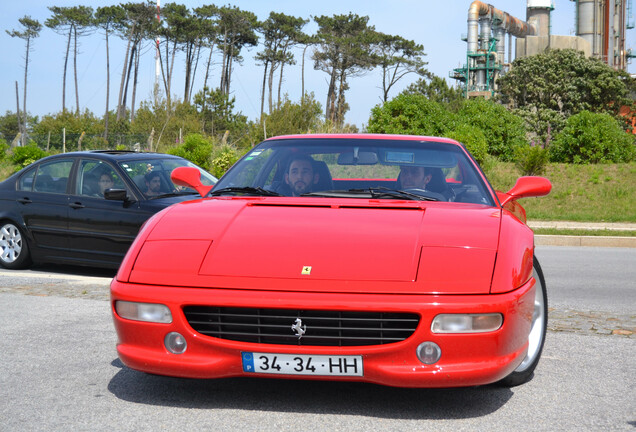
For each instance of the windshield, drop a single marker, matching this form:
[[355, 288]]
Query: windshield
[[357, 168], [152, 176]]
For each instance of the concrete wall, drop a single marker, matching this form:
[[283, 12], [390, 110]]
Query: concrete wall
[[532, 45]]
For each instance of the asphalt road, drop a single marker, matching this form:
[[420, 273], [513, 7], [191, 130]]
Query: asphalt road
[[59, 369]]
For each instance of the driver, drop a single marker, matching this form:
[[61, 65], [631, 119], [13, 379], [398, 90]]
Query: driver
[[414, 177], [300, 175]]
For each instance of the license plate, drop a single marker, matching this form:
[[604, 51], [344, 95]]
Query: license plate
[[300, 364]]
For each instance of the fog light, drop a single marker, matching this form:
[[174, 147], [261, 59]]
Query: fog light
[[175, 343], [148, 312], [428, 352], [466, 323]]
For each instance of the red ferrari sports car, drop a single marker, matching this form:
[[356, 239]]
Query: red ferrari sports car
[[380, 258]]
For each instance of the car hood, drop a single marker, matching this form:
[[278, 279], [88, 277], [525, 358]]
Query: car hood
[[352, 246]]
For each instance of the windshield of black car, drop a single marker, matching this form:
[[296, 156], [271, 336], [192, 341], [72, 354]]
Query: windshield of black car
[[359, 168], [152, 176]]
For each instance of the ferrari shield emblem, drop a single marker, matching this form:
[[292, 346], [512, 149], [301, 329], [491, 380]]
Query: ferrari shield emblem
[[306, 270]]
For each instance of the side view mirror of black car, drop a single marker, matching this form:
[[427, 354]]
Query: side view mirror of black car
[[116, 194]]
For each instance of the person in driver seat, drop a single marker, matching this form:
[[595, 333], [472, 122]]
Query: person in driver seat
[[414, 177], [300, 176]]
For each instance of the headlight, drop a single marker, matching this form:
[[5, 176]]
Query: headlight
[[466, 323], [148, 312]]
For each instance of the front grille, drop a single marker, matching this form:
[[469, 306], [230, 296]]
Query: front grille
[[323, 328]]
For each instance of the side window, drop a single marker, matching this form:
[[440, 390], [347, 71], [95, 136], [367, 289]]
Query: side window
[[26, 180], [52, 177], [94, 177]]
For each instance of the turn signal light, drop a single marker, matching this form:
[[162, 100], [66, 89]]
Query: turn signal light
[[148, 312], [466, 323]]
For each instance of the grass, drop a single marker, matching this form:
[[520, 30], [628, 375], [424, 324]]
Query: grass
[[585, 193], [581, 232]]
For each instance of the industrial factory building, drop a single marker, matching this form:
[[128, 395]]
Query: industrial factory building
[[600, 33]]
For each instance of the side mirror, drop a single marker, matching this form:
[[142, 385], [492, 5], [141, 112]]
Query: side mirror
[[528, 186], [116, 194], [189, 177]]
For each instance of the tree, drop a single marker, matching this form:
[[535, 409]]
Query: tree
[[290, 118], [344, 50], [397, 57], [236, 31], [139, 24], [186, 32], [31, 30], [76, 21], [280, 33], [218, 113], [108, 18], [436, 89], [208, 16], [550, 87]]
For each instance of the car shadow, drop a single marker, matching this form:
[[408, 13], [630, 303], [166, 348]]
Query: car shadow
[[74, 270], [314, 397]]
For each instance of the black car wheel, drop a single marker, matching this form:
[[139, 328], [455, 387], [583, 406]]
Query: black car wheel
[[536, 339], [14, 251]]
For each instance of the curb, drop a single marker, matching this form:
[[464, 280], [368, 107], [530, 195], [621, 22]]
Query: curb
[[586, 241]]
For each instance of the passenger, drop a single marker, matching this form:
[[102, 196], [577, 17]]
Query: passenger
[[414, 177], [105, 182], [300, 176], [153, 183]]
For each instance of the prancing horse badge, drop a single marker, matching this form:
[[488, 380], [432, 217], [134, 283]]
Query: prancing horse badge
[[306, 270]]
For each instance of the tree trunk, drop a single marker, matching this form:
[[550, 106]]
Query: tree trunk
[[263, 89], [106, 116], [75, 70], [302, 75], [24, 98], [17, 111], [123, 76], [68, 48], [194, 72], [270, 85], [134, 91], [331, 91], [188, 70], [128, 71]]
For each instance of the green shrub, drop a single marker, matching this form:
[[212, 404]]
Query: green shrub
[[592, 138], [195, 148], [223, 158], [503, 130], [531, 159], [411, 114], [4, 148], [474, 140], [23, 156]]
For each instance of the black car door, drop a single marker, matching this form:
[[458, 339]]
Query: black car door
[[101, 230], [43, 203]]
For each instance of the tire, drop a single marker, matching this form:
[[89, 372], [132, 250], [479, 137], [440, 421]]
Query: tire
[[536, 339], [14, 250]]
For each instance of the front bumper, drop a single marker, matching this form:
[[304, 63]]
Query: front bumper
[[466, 360]]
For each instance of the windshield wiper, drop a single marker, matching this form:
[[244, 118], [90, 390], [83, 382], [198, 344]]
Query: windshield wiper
[[377, 192], [173, 194], [247, 190]]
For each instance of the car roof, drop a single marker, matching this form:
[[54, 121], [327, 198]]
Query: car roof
[[367, 137], [114, 155]]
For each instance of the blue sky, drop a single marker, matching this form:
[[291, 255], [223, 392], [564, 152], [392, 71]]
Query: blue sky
[[437, 25]]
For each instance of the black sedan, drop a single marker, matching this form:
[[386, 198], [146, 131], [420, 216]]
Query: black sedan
[[85, 208]]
